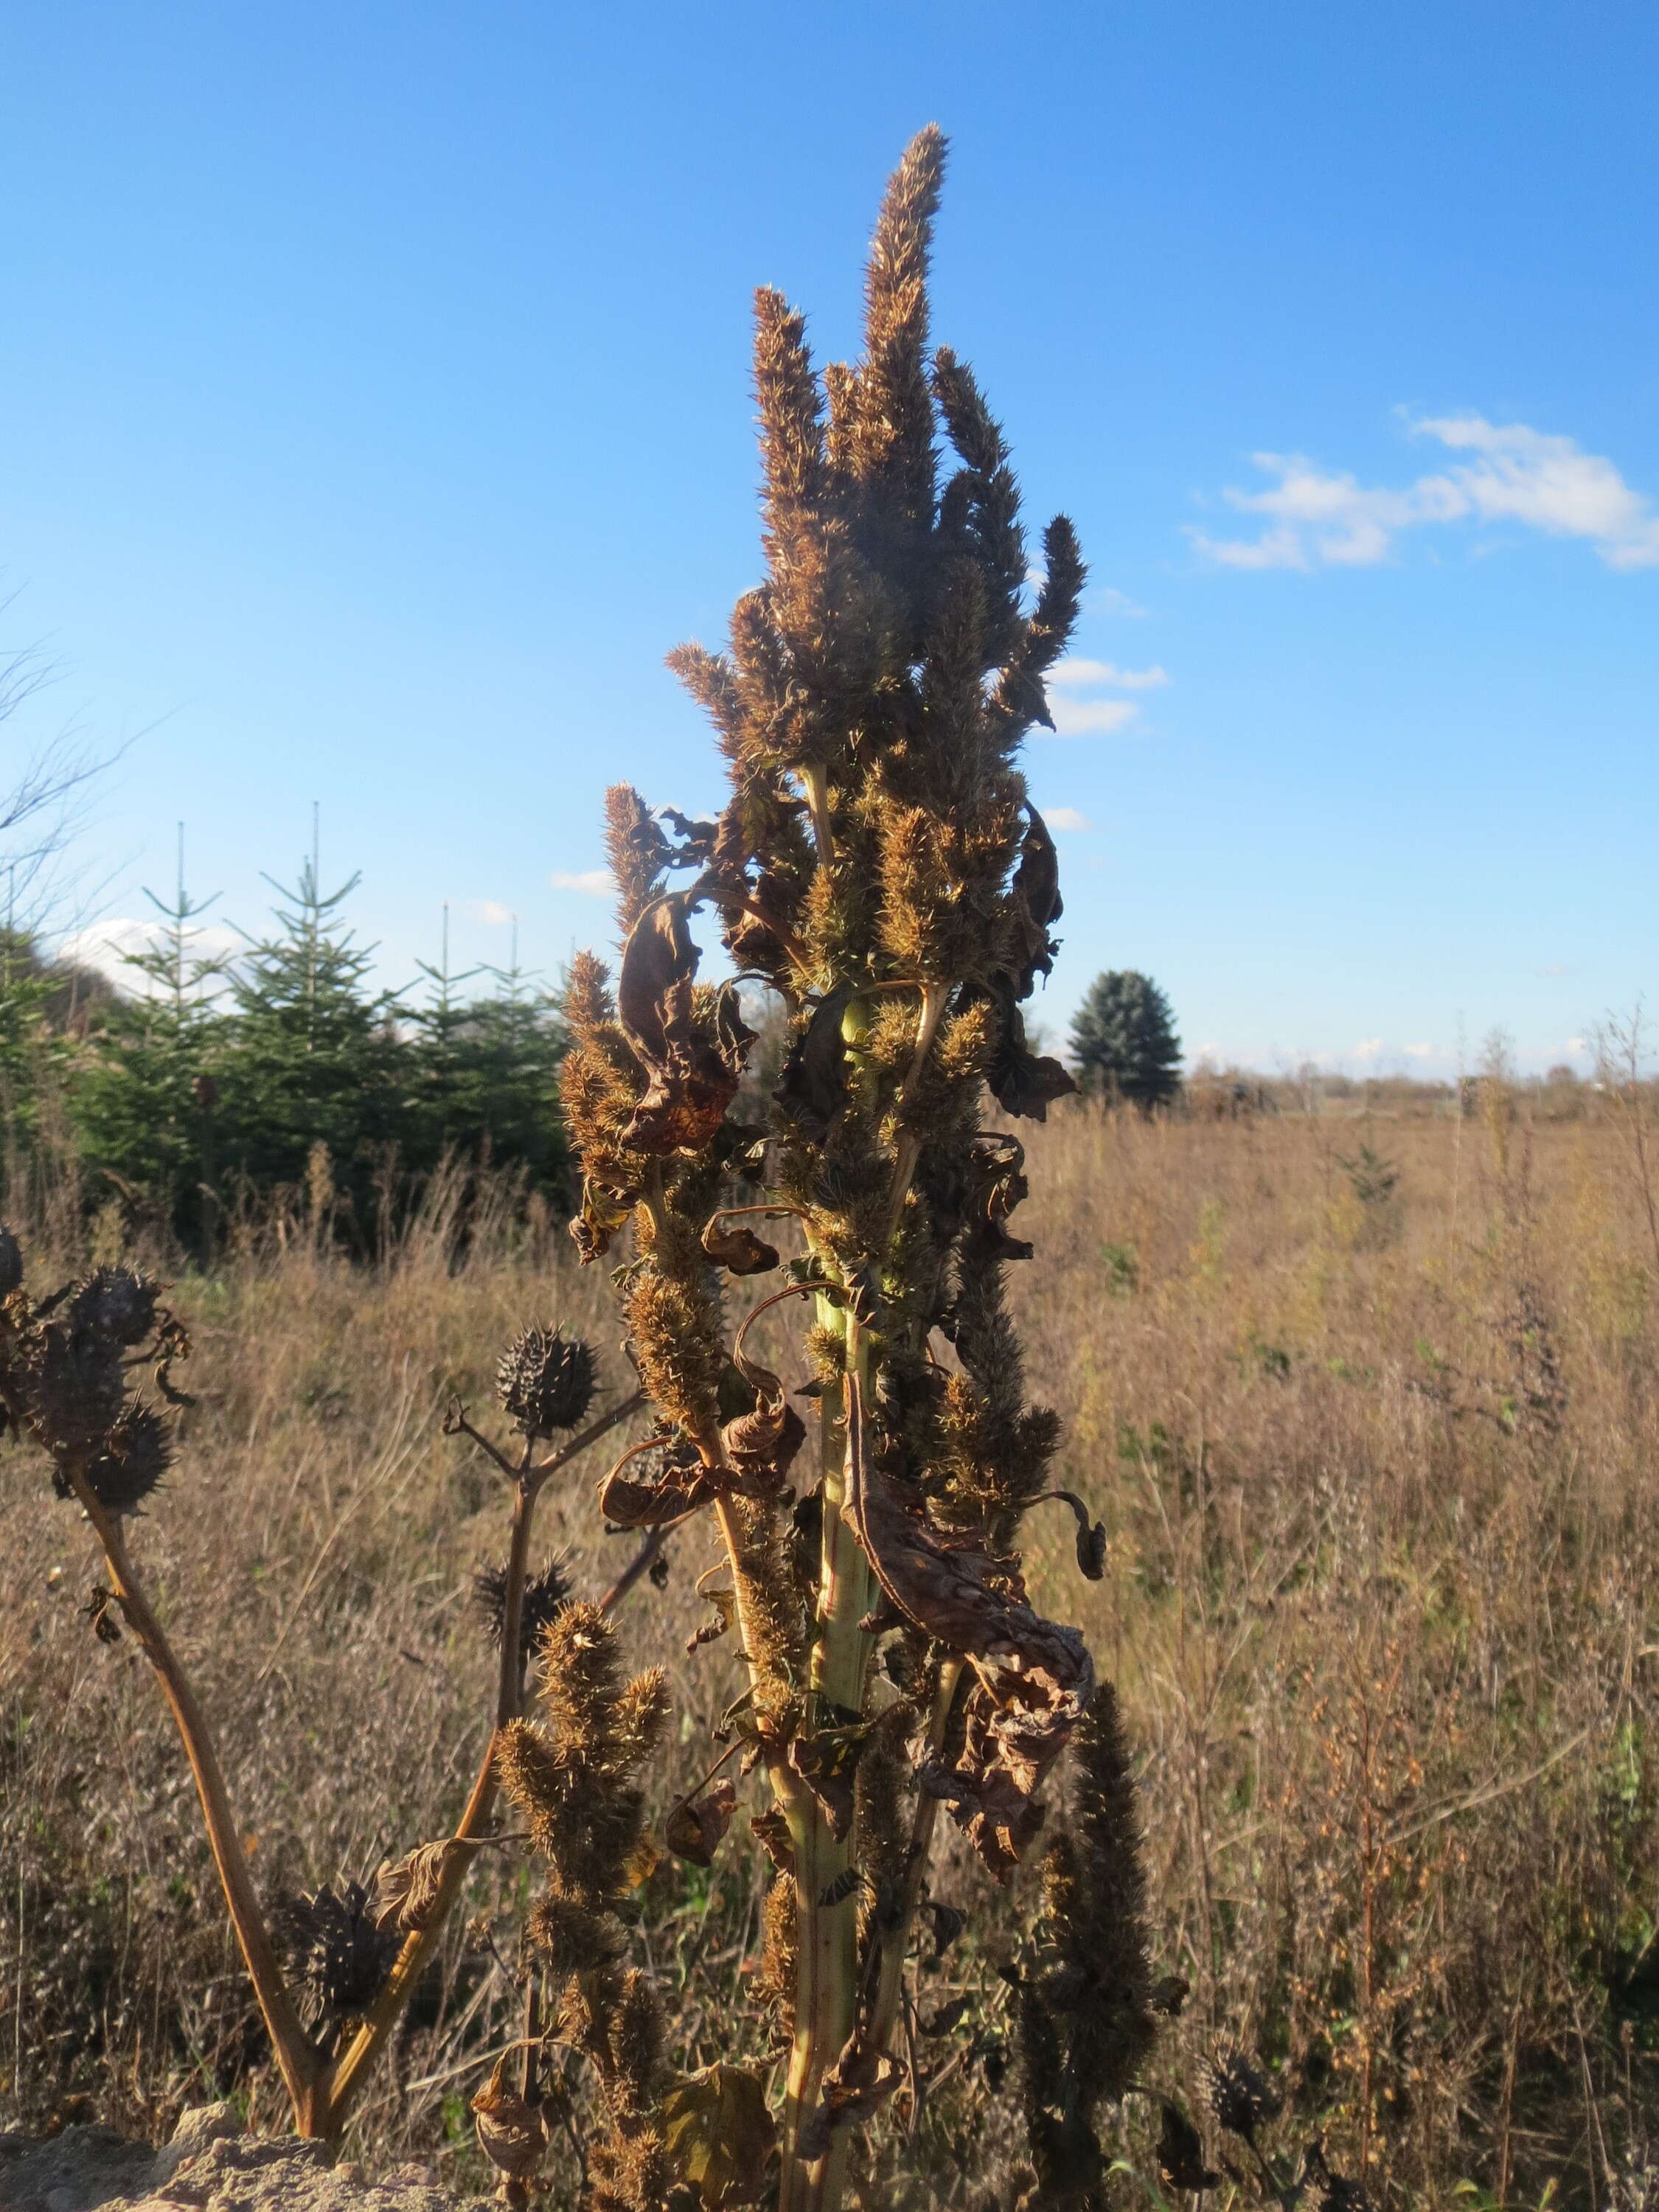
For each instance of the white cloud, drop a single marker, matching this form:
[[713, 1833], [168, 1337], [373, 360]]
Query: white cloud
[[591, 882], [1067, 817], [1417, 1051], [1577, 1044], [1074, 670], [1090, 718], [493, 913], [1316, 519], [104, 946], [1549, 483], [1368, 1049], [1108, 600], [1085, 716]]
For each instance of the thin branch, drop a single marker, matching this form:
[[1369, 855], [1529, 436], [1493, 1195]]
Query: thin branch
[[538, 1475]]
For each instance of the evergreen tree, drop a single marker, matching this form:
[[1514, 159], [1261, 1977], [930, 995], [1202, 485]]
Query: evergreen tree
[[443, 1101], [1124, 1040], [313, 1057], [144, 1103], [519, 1040], [33, 1053], [486, 1071]]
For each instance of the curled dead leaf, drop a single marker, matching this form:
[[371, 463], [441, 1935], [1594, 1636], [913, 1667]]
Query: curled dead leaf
[[1035, 905], [1181, 2153], [676, 1485], [406, 1889], [737, 1249], [695, 1827], [1034, 1677], [1090, 1535], [771, 1832], [998, 1185], [854, 2089], [725, 1602], [692, 1060], [512, 2132], [827, 1762], [718, 2135], [1024, 1083], [813, 1089]]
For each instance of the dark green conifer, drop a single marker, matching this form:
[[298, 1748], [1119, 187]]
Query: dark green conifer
[[313, 1057], [143, 1102], [1124, 1040]]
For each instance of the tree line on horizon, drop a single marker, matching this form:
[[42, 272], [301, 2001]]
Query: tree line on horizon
[[211, 1078]]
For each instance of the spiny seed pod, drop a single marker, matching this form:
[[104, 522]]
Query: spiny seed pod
[[337, 1957], [1237, 2093], [77, 1387], [117, 1303], [544, 1595], [137, 1453], [546, 1382]]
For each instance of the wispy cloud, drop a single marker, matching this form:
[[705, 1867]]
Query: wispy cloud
[[591, 882], [1108, 600], [1317, 518], [493, 913], [1368, 1049], [105, 945], [1417, 1051], [1067, 817], [1075, 685], [1075, 671], [1090, 718]]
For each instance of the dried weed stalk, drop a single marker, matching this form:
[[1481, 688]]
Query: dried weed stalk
[[879, 866]]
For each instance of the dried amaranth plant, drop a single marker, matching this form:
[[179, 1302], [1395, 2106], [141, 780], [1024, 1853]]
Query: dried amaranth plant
[[879, 866]]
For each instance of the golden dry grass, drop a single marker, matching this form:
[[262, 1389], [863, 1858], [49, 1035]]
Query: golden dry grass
[[1378, 1483]]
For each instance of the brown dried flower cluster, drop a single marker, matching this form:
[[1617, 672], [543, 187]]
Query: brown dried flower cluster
[[880, 868]]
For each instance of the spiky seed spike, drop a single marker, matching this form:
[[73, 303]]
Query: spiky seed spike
[[893, 442], [792, 426], [712, 683], [636, 848], [587, 997], [1020, 697]]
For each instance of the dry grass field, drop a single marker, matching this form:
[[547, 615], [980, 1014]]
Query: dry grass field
[[1377, 1468]]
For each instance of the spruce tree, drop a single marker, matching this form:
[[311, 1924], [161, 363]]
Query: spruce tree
[[1124, 1040], [442, 1100], [143, 1102], [313, 1055], [33, 1053], [519, 1039], [484, 1077]]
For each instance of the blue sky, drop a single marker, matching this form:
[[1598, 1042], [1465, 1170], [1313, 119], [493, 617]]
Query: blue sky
[[376, 405]]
